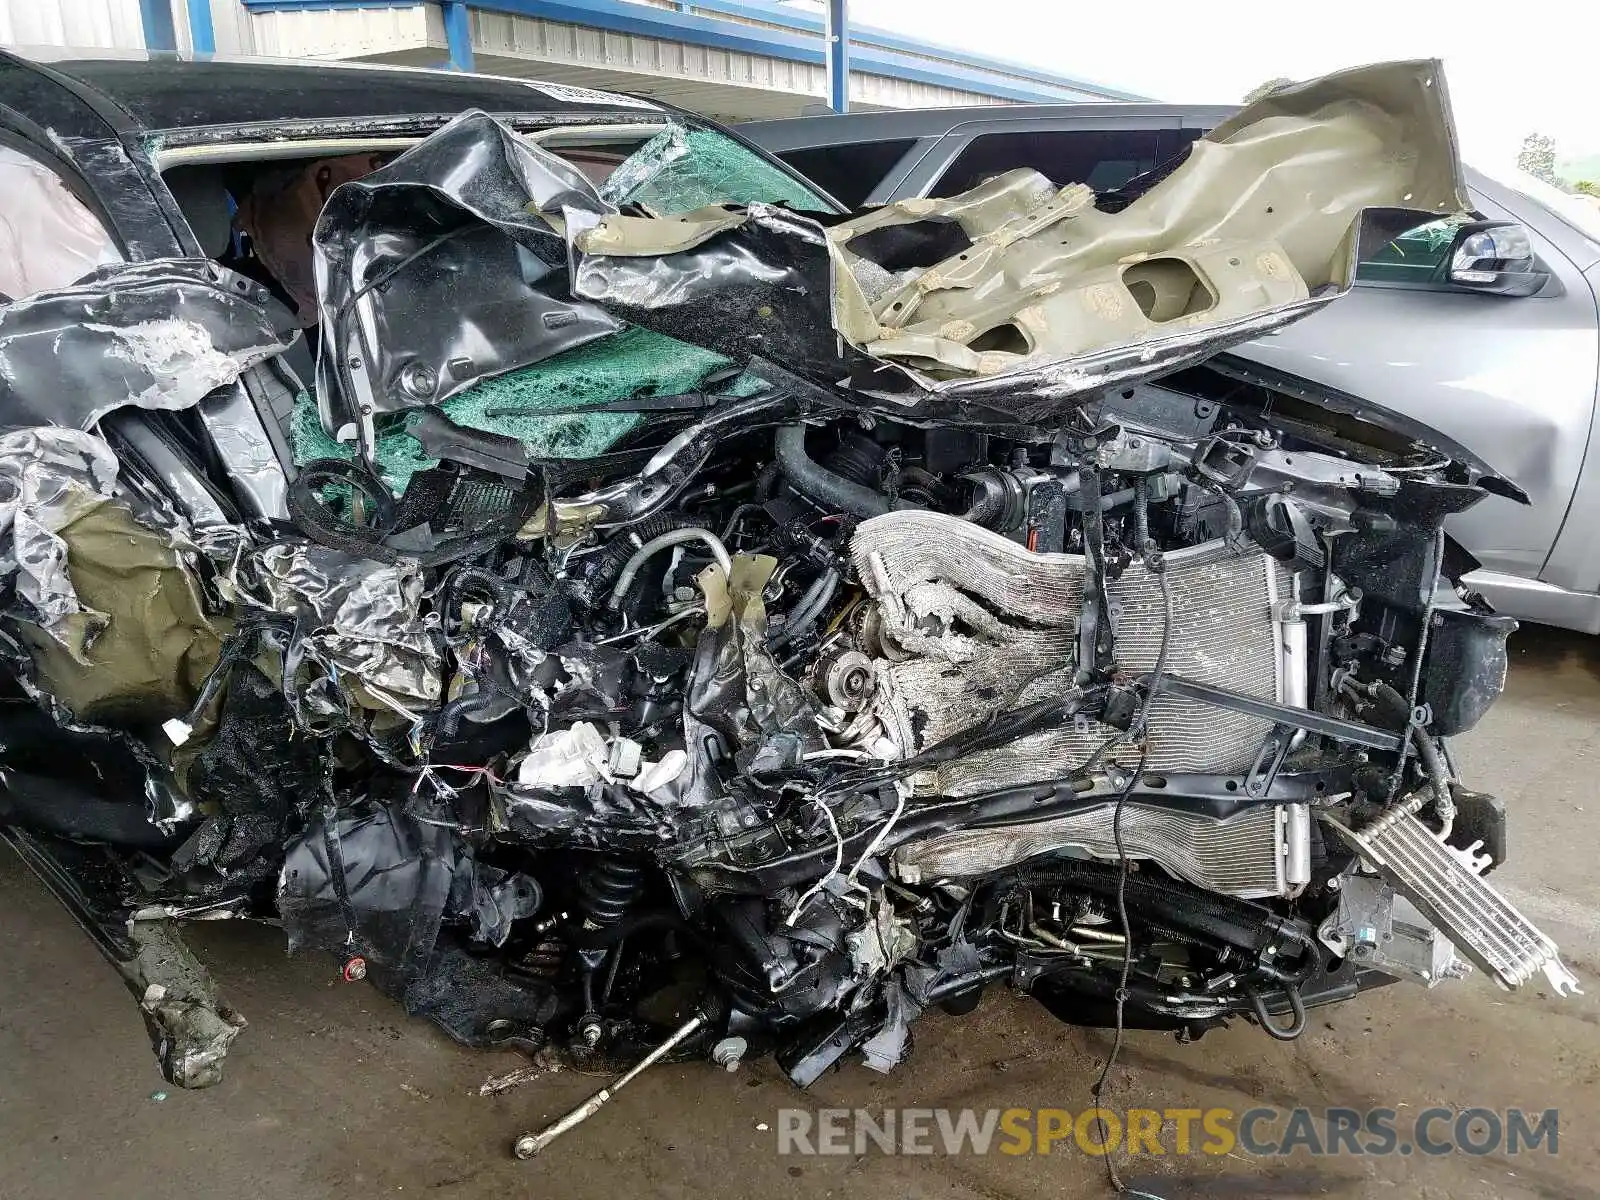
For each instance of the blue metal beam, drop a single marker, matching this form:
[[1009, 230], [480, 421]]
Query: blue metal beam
[[202, 36], [778, 13], [156, 17], [838, 38], [458, 35], [873, 52]]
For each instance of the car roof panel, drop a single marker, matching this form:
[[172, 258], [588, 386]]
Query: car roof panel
[[166, 92]]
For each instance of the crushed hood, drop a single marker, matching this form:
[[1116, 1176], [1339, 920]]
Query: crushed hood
[[1011, 302]]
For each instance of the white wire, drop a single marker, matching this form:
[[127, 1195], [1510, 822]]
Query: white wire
[[901, 789], [838, 861]]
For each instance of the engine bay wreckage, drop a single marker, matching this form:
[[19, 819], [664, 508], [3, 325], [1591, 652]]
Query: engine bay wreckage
[[789, 621]]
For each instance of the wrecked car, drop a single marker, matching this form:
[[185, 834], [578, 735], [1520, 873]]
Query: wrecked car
[[617, 604]]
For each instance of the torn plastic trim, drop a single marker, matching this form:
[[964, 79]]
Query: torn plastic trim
[[156, 335], [1484, 474], [379, 884]]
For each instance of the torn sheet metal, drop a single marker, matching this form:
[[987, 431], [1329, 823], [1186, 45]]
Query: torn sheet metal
[[456, 221], [157, 335], [1043, 297], [111, 608], [361, 637], [738, 687], [46, 476]]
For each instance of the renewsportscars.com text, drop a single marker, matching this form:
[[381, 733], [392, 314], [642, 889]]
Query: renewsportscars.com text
[[1263, 1132]]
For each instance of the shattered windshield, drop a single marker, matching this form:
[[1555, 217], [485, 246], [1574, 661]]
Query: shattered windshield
[[680, 170]]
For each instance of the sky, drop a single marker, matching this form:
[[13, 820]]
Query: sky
[[1513, 68]]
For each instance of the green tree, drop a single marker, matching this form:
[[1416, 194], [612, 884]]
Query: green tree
[[1538, 158], [1588, 187]]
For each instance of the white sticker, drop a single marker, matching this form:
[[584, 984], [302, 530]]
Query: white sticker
[[583, 95]]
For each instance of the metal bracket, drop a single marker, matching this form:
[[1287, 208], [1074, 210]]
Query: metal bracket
[[1279, 714], [1269, 760]]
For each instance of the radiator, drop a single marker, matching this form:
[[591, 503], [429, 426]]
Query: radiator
[[974, 623], [1247, 855]]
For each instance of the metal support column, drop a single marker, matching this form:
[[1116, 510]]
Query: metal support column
[[458, 35], [838, 35], [156, 17], [202, 35]]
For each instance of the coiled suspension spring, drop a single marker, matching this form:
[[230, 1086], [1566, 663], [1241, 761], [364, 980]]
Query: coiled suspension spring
[[608, 890]]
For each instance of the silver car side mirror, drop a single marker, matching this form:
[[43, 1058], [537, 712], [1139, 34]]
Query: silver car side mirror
[[1496, 257]]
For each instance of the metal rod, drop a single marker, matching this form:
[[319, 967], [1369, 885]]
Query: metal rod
[[530, 1144]]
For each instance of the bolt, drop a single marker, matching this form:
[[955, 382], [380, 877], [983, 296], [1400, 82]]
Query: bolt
[[1335, 884], [729, 1052], [526, 1146], [354, 362], [420, 380], [590, 1031], [355, 969]]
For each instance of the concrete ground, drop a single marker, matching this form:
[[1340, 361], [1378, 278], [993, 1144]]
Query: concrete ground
[[332, 1091]]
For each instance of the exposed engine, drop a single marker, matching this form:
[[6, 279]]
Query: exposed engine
[[871, 715]]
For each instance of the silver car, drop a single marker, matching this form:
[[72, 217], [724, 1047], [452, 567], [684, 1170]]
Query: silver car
[[1487, 330]]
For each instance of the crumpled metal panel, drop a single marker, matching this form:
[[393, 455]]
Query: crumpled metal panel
[[362, 621], [46, 475], [159, 335], [1052, 299], [145, 636], [107, 600], [483, 285]]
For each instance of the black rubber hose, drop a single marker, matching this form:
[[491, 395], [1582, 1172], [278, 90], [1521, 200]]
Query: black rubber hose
[[810, 606], [611, 560], [1297, 1008], [834, 492], [767, 482], [1394, 706]]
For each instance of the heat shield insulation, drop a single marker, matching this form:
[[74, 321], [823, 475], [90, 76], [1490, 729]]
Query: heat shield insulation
[[973, 624], [360, 635]]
